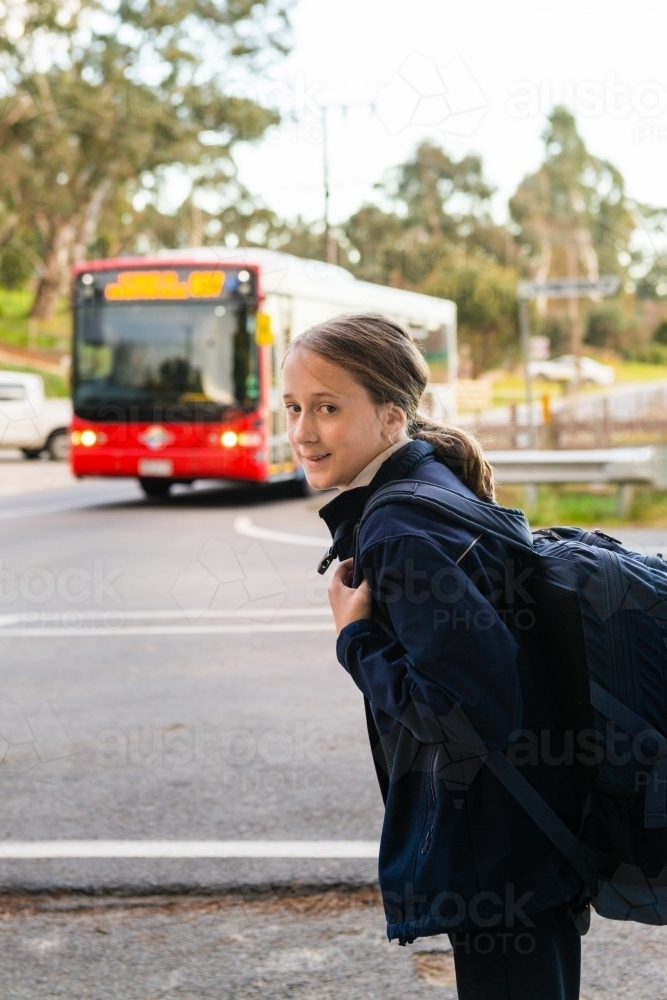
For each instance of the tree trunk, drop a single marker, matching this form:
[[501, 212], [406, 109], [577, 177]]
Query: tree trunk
[[69, 243], [91, 220], [55, 273], [196, 235]]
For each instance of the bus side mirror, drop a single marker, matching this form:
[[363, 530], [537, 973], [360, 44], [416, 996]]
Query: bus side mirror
[[263, 332]]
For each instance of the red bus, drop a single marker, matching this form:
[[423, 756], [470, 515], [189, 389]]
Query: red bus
[[176, 359]]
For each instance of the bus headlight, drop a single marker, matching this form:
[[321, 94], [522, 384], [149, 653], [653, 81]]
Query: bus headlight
[[88, 438], [250, 439], [229, 439]]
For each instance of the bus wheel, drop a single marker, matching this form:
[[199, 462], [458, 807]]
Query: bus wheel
[[155, 487]]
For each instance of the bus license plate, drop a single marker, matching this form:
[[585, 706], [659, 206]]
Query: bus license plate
[[155, 467]]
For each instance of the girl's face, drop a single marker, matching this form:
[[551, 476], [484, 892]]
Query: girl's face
[[332, 424]]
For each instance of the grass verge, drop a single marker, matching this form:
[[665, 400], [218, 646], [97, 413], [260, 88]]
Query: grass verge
[[588, 506]]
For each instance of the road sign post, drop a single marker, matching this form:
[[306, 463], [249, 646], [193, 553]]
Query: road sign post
[[554, 288]]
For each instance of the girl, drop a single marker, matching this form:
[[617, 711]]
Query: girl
[[431, 630]]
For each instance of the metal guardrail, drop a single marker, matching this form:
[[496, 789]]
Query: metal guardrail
[[646, 464], [624, 466]]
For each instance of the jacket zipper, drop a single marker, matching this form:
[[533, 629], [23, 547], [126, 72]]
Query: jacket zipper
[[432, 770]]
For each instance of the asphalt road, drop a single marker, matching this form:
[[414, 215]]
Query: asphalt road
[[165, 677], [168, 673]]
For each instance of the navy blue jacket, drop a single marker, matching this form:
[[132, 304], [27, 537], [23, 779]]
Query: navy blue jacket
[[450, 665]]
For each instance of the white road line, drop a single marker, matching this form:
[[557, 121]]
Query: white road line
[[80, 849], [83, 632], [120, 615], [57, 508], [244, 526]]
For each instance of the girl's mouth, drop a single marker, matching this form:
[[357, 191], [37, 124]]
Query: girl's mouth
[[314, 459]]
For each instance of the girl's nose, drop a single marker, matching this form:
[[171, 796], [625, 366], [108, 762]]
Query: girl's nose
[[303, 431]]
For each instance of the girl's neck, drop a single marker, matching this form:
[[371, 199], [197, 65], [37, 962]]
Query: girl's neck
[[365, 475]]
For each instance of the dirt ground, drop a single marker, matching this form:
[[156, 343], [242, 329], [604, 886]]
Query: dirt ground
[[319, 946]]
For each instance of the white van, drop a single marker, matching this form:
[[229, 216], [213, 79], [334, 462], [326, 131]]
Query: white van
[[30, 421]]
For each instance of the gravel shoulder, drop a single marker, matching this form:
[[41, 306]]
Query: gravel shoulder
[[319, 946]]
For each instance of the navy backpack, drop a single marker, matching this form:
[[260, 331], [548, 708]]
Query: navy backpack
[[601, 615]]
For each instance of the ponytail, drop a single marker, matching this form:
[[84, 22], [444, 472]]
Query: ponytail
[[459, 451]]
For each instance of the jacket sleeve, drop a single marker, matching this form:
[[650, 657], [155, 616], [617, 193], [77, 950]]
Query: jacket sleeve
[[447, 660]]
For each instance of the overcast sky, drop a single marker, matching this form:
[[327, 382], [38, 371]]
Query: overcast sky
[[476, 75]]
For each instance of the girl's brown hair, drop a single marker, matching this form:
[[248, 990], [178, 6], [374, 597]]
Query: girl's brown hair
[[380, 355]]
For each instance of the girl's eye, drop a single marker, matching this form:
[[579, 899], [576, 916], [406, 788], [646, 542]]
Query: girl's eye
[[329, 408], [291, 407]]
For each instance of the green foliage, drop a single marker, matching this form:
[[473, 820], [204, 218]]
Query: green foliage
[[605, 326], [437, 237], [652, 354], [54, 385], [18, 330], [14, 303], [558, 330], [485, 296], [125, 95], [608, 328], [586, 507], [660, 333]]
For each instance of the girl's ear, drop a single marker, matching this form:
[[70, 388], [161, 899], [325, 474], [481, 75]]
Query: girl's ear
[[394, 421]]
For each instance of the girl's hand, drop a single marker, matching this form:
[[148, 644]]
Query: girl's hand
[[348, 604]]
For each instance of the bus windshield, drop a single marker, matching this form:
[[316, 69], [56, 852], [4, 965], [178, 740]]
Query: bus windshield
[[164, 360]]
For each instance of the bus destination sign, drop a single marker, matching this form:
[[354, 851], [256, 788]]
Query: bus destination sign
[[153, 285]]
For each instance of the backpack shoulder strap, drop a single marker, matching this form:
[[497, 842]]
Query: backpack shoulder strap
[[504, 523], [560, 835]]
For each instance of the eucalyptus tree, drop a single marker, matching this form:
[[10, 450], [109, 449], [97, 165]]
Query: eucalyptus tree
[[101, 98], [573, 215]]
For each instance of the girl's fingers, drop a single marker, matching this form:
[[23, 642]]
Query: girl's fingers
[[343, 573], [345, 568], [349, 604]]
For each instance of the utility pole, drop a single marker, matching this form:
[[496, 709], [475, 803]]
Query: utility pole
[[330, 242]]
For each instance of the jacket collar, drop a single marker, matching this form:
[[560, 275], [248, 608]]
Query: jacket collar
[[349, 505]]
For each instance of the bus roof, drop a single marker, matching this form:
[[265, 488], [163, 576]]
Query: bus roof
[[284, 274]]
